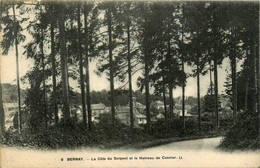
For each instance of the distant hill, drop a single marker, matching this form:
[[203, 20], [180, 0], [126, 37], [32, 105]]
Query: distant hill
[[10, 93]]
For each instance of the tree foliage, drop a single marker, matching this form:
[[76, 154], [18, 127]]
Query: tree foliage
[[157, 38]]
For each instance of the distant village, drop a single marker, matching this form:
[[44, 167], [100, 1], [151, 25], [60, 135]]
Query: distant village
[[122, 112]]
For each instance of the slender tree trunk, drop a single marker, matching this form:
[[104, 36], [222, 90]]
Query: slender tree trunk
[[257, 78], [164, 100], [43, 81], [246, 94], [17, 75], [257, 74], [67, 67], [170, 85], [254, 79], [53, 62], [198, 91], [130, 74], [2, 113], [164, 90], [68, 55], [87, 70], [234, 84], [82, 87], [215, 62], [216, 89], [64, 68], [255, 33], [183, 84], [211, 93], [111, 66], [211, 88], [146, 80], [88, 91], [147, 94], [183, 100], [171, 102], [210, 78]]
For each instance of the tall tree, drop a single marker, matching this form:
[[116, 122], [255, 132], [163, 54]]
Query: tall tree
[[183, 55], [198, 89], [239, 40], [88, 98], [234, 81], [129, 67], [110, 41], [165, 40], [217, 50], [198, 47], [53, 62], [43, 78], [233, 25], [17, 71], [64, 68], [126, 60], [2, 113], [12, 30], [109, 24], [36, 50], [147, 60], [216, 43], [82, 87], [89, 33], [145, 39], [183, 84]]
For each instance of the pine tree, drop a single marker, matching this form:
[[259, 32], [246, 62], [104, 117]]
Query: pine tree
[[88, 98], [146, 45], [82, 87], [53, 61], [2, 113], [64, 68], [90, 33], [36, 50], [199, 46], [13, 36], [109, 24]]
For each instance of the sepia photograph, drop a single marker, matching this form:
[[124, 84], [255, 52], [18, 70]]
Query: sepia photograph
[[129, 83]]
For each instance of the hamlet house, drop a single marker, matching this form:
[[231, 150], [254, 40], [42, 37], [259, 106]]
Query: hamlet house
[[11, 115], [123, 114], [96, 110], [9, 109]]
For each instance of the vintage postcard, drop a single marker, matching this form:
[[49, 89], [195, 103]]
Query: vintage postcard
[[129, 84]]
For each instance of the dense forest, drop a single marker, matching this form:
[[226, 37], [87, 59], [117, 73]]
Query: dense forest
[[156, 38]]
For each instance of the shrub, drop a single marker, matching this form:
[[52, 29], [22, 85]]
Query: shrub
[[244, 135]]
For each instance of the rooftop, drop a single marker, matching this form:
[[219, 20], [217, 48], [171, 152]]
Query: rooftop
[[99, 106]]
